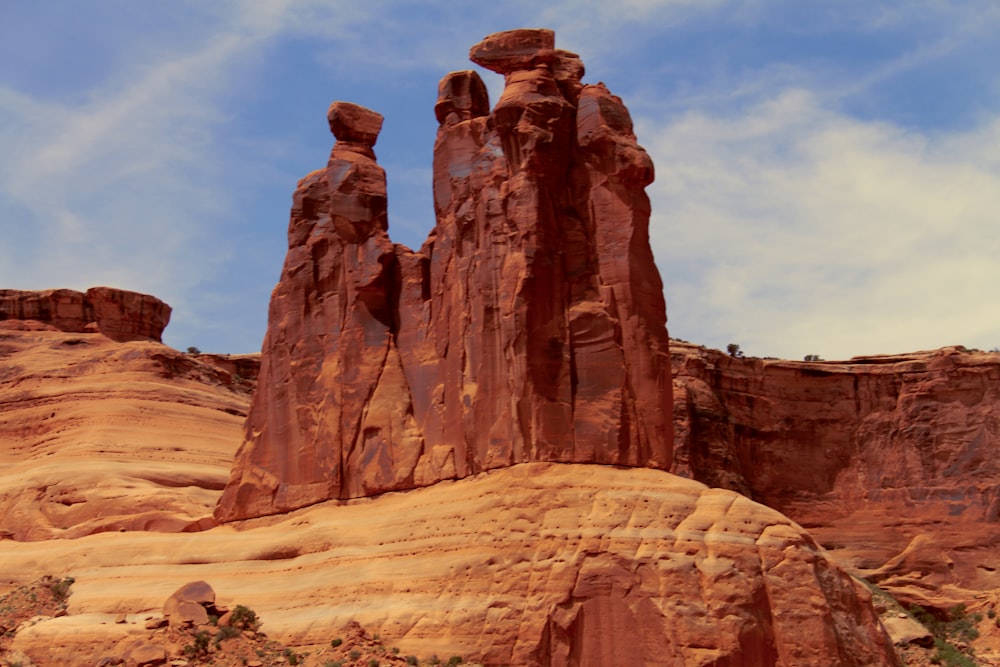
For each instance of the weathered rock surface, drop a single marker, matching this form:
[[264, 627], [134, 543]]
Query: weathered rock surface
[[903, 630], [97, 435], [529, 327], [891, 462], [190, 604], [118, 314], [537, 564]]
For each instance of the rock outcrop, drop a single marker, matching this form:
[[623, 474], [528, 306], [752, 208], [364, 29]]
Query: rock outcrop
[[536, 564], [529, 327], [890, 461], [118, 314], [97, 435]]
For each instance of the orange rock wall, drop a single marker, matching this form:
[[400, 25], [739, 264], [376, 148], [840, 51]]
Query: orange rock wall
[[529, 327], [870, 454]]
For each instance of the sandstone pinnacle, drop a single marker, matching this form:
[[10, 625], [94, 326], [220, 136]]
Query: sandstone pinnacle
[[529, 327]]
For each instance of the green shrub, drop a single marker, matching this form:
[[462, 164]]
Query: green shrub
[[948, 655], [336, 642], [199, 646], [226, 632], [454, 660], [60, 589], [354, 655], [411, 660], [244, 618]]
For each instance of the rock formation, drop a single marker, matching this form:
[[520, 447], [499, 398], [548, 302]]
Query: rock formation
[[536, 564], [118, 314], [890, 461], [529, 327]]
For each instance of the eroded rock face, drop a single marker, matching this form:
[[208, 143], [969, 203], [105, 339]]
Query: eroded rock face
[[529, 327], [118, 314], [890, 461]]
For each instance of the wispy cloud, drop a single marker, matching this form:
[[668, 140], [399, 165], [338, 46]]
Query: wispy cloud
[[128, 184], [168, 165], [793, 229]]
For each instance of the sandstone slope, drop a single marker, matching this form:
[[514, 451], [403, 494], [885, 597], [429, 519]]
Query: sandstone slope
[[101, 435], [537, 564]]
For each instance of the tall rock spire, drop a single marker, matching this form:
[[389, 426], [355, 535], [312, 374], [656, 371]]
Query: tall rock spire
[[529, 327]]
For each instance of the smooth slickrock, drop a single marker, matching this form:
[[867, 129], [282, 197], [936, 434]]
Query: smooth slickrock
[[890, 461], [529, 327], [97, 435], [537, 564], [904, 630], [118, 314]]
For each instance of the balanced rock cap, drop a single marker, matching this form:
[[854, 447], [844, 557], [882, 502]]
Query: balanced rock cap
[[505, 52], [355, 123], [463, 94]]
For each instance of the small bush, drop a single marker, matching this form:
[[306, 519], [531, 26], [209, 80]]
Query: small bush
[[244, 618], [948, 655], [199, 646], [333, 663], [411, 660], [226, 632], [354, 655], [291, 657], [193, 350], [336, 642], [454, 660], [373, 663], [60, 589]]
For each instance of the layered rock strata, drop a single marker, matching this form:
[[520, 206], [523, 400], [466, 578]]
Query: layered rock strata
[[891, 461], [97, 435], [118, 314], [529, 327]]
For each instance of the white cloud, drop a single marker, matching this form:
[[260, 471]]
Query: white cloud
[[132, 178], [793, 229]]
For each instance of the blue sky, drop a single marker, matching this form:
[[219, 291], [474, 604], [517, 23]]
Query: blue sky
[[828, 173]]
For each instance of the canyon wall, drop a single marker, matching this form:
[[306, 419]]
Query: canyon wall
[[529, 327], [890, 461]]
